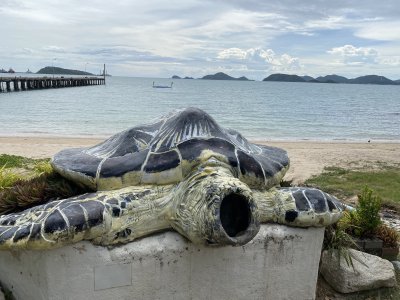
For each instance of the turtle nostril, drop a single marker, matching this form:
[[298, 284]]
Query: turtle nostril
[[235, 214]]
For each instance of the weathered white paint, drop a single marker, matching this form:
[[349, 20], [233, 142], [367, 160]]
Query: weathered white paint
[[279, 263]]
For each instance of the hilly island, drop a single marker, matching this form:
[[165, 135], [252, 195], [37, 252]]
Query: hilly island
[[366, 79], [61, 71]]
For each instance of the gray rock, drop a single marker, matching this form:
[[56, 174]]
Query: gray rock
[[370, 272], [2, 295], [396, 265]]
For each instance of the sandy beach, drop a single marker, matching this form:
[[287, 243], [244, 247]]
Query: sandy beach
[[307, 157]]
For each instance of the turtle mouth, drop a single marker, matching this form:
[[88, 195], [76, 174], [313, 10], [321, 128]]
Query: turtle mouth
[[235, 215], [236, 220], [214, 207]]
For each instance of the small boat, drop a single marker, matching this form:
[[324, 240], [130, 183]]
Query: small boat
[[162, 86]]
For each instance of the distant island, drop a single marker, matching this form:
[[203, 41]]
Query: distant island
[[285, 78], [223, 76], [367, 79], [9, 71], [61, 71], [177, 77], [216, 76]]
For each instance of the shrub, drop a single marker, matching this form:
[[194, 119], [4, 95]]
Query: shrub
[[367, 211], [364, 220]]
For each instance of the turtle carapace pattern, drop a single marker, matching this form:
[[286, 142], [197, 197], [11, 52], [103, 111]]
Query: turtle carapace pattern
[[167, 150], [182, 171]]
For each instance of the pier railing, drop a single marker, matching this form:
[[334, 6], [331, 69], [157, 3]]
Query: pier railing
[[8, 84]]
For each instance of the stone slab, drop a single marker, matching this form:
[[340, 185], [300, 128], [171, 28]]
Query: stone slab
[[279, 263]]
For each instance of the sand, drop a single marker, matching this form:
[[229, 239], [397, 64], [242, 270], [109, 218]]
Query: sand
[[307, 157]]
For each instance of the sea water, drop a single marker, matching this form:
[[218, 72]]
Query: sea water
[[259, 110]]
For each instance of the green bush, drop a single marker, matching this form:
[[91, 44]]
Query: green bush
[[364, 221], [367, 211]]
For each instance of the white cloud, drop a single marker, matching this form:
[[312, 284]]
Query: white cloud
[[330, 22], [393, 61], [54, 49], [200, 36], [33, 14], [287, 63], [250, 55], [241, 21], [260, 59], [349, 54], [381, 31]]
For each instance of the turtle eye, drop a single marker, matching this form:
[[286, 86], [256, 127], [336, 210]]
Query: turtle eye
[[235, 214]]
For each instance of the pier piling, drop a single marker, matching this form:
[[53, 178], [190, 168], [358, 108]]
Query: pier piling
[[9, 84]]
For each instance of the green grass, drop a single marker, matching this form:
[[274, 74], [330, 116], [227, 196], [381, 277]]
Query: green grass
[[7, 178], [14, 161], [347, 183], [14, 168], [29, 165], [26, 182]]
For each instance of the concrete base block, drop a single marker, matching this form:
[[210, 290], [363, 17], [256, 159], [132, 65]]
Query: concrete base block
[[279, 263]]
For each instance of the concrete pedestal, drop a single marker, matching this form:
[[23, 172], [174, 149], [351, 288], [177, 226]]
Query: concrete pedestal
[[279, 263]]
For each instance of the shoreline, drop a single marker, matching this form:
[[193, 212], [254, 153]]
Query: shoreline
[[307, 157], [103, 137]]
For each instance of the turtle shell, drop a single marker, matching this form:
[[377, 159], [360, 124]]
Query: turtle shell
[[169, 149]]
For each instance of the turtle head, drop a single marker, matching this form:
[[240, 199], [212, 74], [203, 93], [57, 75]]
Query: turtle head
[[214, 207]]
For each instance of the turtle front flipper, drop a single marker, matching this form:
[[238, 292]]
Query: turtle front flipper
[[104, 218], [298, 206], [54, 224]]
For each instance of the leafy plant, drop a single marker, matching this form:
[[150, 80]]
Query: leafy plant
[[367, 211], [364, 220], [337, 239]]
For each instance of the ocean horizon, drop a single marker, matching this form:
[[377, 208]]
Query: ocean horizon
[[277, 111]]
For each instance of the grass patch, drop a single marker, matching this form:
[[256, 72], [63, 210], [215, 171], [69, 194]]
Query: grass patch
[[345, 183], [14, 161], [27, 182], [7, 178], [30, 166]]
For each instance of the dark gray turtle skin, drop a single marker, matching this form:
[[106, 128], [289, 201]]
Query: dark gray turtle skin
[[182, 172], [166, 151]]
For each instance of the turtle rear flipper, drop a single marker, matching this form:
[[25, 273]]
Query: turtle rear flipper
[[299, 206]]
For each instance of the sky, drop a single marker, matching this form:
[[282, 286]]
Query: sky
[[249, 38]]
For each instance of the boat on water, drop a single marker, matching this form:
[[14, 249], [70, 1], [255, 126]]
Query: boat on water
[[156, 86]]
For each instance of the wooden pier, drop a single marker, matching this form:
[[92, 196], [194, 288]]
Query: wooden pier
[[9, 84]]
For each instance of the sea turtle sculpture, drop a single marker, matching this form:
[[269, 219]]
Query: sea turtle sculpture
[[183, 172]]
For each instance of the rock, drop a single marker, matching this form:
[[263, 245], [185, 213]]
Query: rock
[[396, 265], [370, 272], [2, 295]]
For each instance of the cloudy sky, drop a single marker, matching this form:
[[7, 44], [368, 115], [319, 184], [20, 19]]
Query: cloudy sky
[[194, 38]]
